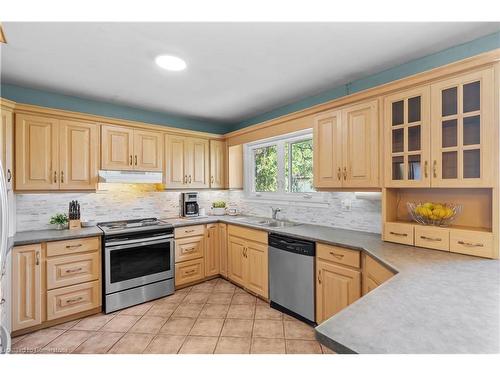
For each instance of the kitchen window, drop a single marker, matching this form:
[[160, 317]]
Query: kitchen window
[[280, 167]]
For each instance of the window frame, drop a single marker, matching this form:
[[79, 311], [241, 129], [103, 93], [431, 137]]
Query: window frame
[[280, 194]]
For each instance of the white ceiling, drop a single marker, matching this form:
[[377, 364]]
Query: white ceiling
[[235, 70]]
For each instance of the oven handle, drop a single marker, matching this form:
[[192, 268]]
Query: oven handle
[[138, 240], [137, 244]]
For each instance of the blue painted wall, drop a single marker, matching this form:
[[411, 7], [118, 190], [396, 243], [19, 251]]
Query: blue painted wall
[[72, 103], [456, 53]]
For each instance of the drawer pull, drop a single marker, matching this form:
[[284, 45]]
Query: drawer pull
[[189, 249], [339, 256], [470, 244], [73, 270], [431, 238], [190, 272], [189, 231], [72, 246], [399, 234], [74, 300]]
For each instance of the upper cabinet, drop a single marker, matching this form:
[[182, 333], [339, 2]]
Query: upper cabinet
[[124, 148], [54, 154], [6, 144], [462, 130], [346, 150], [407, 138], [217, 164], [187, 162], [440, 135]]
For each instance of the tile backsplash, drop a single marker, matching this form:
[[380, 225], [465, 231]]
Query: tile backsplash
[[33, 211]]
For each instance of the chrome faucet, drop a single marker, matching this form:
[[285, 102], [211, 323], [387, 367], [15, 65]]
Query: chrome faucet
[[275, 212]]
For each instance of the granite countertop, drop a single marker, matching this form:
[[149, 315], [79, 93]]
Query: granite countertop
[[35, 236], [438, 302]]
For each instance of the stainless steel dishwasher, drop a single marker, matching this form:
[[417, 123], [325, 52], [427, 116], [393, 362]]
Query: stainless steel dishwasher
[[291, 276]]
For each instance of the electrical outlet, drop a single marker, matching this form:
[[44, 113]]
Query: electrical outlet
[[346, 204]]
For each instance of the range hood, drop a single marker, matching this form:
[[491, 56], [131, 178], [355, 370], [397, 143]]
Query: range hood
[[131, 177]]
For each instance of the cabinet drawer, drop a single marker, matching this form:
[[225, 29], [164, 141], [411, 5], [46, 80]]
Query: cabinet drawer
[[193, 230], [338, 255], [73, 299], [73, 269], [189, 248], [472, 243], [247, 233], [189, 271], [432, 238], [399, 233], [78, 245]]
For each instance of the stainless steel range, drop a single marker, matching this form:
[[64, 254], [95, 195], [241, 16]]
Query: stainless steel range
[[138, 261]]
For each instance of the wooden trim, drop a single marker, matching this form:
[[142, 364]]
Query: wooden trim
[[441, 72], [9, 104]]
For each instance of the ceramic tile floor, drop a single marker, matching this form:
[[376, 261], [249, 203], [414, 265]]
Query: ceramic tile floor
[[212, 317]]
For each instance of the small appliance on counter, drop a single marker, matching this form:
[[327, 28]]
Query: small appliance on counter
[[189, 204]]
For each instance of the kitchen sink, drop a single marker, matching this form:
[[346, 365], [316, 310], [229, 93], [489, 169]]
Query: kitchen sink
[[271, 223]]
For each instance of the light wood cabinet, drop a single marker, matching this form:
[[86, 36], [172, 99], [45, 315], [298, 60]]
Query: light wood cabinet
[[26, 286], [346, 149], [6, 144], [336, 288], [223, 248], [374, 274], [73, 299], [248, 259], [189, 248], [212, 250], [124, 148], [191, 253], [189, 271], [187, 162], [217, 164], [54, 154]]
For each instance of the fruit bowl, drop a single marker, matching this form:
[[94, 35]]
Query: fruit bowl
[[438, 214]]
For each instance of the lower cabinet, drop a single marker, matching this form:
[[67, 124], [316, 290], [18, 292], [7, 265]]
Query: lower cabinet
[[189, 271], [248, 259], [191, 249], [223, 249], [26, 286], [374, 274], [337, 285], [212, 249], [73, 299]]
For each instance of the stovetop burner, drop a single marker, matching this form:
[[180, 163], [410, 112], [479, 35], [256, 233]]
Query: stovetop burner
[[131, 225]]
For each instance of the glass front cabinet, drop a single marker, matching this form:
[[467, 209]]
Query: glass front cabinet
[[438, 135]]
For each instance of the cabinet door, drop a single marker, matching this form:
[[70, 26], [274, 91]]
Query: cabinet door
[[78, 152], [223, 248], [336, 288], [197, 163], [6, 144], [212, 255], [257, 270], [37, 159], [236, 260], [217, 157], [148, 150], [117, 147], [360, 145], [327, 136], [26, 286], [407, 138], [462, 130], [175, 162]]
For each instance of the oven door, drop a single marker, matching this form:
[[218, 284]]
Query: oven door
[[129, 264]]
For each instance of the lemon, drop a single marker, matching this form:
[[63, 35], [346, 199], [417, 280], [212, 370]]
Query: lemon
[[429, 205]]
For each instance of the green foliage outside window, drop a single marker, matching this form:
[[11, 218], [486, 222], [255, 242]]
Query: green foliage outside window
[[266, 169]]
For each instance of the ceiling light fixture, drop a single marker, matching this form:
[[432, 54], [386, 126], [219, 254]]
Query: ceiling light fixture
[[169, 62]]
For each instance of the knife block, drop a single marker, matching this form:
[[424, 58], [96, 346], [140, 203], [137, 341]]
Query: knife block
[[75, 224]]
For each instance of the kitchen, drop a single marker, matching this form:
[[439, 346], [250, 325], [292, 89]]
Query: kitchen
[[364, 220]]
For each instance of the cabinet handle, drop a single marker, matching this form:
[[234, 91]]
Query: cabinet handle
[[399, 234], [319, 277], [55, 177], [37, 258], [73, 300], [426, 169], [470, 244], [62, 177], [339, 256], [135, 159], [73, 270], [9, 175], [212, 179], [189, 231], [434, 168], [185, 179], [130, 159], [190, 249], [71, 246], [189, 272], [189, 178], [431, 238], [339, 174], [345, 173]]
